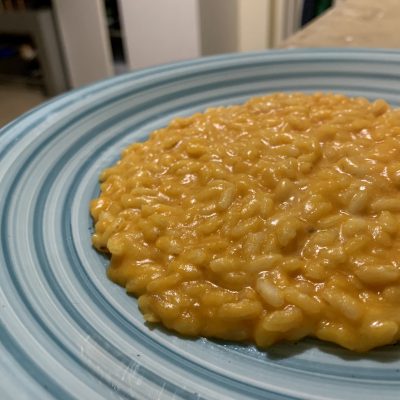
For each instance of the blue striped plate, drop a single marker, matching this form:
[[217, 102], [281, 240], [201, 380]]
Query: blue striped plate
[[66, 331]]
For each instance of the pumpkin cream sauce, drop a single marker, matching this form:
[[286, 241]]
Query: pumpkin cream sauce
[[263, 222]]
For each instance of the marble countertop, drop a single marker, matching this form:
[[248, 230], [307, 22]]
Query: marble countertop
[[352, 23]]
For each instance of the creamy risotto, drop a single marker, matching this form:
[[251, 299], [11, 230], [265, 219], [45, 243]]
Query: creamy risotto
[[263, 222]]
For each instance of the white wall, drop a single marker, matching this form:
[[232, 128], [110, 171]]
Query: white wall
[[159, 31], [234, 25], [254, 25], [162, 31], [84, 39], [285, 19], [219, 26], [247, 25]]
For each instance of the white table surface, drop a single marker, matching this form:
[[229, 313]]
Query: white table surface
[[352, 23]]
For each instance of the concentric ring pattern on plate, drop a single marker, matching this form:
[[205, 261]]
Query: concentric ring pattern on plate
[[66, 332]]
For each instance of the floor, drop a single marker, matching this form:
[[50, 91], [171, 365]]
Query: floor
[[17, 99]]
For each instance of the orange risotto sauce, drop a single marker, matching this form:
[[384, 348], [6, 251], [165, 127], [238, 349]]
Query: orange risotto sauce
[[263, 222]]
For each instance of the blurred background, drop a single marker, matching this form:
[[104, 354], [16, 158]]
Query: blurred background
[[50, 46]]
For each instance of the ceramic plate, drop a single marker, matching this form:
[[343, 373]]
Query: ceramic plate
[[66, 331]]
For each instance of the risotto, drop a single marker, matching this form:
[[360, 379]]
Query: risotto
[[263, 222]]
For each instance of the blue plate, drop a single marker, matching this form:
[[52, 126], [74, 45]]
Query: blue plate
[[66, 331]]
